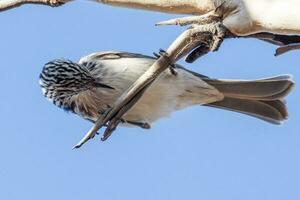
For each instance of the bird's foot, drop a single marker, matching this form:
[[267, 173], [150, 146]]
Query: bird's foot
[[164, 53], [214, 33], [218, 32], [209, 23]]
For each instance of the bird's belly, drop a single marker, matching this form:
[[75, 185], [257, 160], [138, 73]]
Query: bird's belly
[[170, 93], [156, 103]]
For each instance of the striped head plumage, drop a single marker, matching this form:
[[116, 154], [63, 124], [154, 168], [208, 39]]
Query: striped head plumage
[[60, 80]]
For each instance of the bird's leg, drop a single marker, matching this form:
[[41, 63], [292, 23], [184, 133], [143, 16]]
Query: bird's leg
[[187, 41], [143, 125]]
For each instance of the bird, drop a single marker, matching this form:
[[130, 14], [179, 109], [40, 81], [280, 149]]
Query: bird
[[91, 86]]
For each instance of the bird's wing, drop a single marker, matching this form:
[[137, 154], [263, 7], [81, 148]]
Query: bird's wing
[[203, 77], [109, 55]]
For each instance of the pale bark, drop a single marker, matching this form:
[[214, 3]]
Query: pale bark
[[168, 6], [248, 17], [273, 16]]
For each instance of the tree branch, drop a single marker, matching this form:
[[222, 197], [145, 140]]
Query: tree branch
[[241, 17], [167, 6], [9, 4]]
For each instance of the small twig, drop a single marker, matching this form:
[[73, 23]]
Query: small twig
[[184, 21], [9, 4]]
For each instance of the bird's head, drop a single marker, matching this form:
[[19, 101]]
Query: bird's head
[[60, 80]]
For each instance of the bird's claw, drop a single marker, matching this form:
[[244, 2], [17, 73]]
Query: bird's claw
[[172, 67], [162, 52], [143, 125], [198, 52], [219, 33], [173, 70], [157, 56], [216, 32], [112, 125]]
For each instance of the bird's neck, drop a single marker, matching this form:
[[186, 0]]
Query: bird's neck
[[275, 16]]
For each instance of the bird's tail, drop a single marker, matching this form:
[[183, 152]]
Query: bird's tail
[[263, 99]]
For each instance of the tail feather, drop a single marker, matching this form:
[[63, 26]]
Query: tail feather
[[263, 89], [273, 112], [263, 99]]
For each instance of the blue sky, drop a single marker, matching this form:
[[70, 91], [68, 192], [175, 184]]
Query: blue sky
[[197, 153]]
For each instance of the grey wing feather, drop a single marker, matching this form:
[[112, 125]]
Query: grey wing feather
[[108, 55], [262, 98], [271, 111], [264, 89]]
